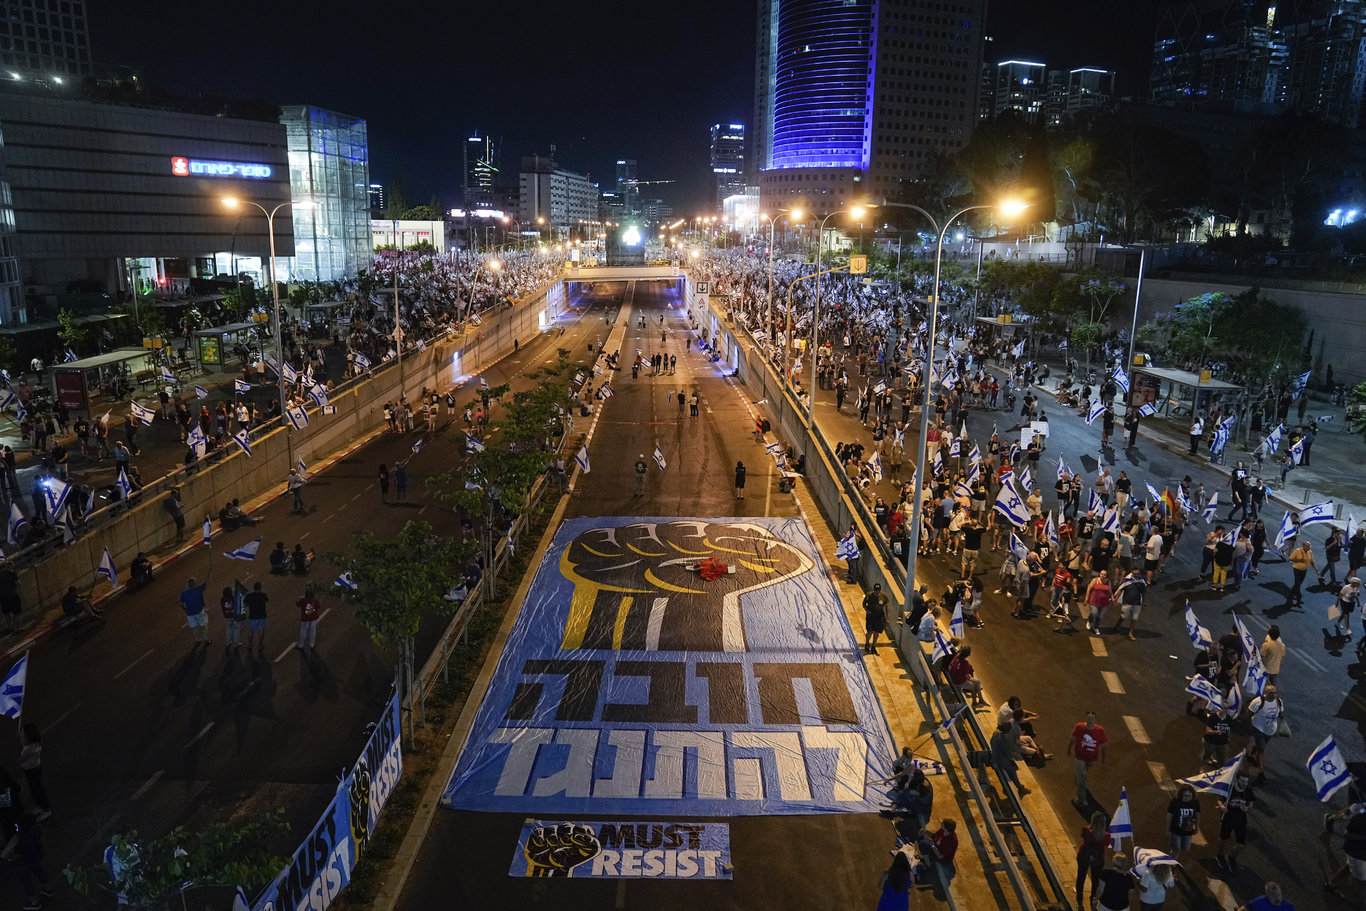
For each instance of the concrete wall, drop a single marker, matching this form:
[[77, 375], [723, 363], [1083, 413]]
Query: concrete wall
[[359, 403]]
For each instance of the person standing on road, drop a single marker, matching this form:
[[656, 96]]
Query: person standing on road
[[1301, 561], [31, 762], [1273, 653], [192, 600], [1183, 820], [401, 482], [310, 610], [640, 469], [232, 618], [874, 617], [383, 478], [1332, 555], [1096, 600], [1131, 427], [1233, 822], [1267, 715], [296, 486], [1197, 431], [1116, 885], [177, 514], [1091, 855], [1356, 552], [1355, 848], [1130, 592], [256, 601], [692, 405], [739, 480], [1086, 746]]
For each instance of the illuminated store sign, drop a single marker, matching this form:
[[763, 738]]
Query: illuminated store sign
[[184, 167]]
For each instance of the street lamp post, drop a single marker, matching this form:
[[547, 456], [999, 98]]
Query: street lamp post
[[233, 202], [856, 212], [913, 532]]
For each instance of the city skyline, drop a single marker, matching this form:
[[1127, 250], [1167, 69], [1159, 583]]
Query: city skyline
[[597, 81]]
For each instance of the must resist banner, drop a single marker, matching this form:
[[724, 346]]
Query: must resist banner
[[623, 850]]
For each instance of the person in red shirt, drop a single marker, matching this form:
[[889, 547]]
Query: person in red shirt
[[1086, 747], [310, 610], [1062, 590], [936, 847], [961, 675]]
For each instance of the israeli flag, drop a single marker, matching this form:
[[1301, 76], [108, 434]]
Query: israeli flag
[[1233, 706], [1351, 531], [1111, 521], [1296, 451], [578, 377], [298, 418], [962, 490], [950, 380], [1255, 678], [875, 466], [243, 438], [1147, 410], [1153, 495], [605, 391], [975, 473], [847, 548], [1094, 504], [308, 376], [417, 447], [319, 395], [1249, 645], [1019, 349], [1220, 440], [56, 492], [582, 459], [168, 376], [1026, 479], [956, 622], [974, 454], [107, 569], [938, 466], [1147, 858], [1328, 768], [20, 412], [12, 689], [241, 387], [1273, 439], [1050, 531], [345, 581], [63, 524], [1202, 688], [1062, 345], [1211, 507], [472, 444], [16, 522], [245, 552], [955, 446], [1323, 419], [123, 484], [1121, 379], [1319, 512], [880, 388], [361, 361], [303, 469], [774, 449], [483, 383], [142, 413], [208, 529], [197, 441], [200, 392], [1096, 410], [70, 356], [659, 458], [1121, 827], [1199, 635], [1062, 469], [1286, 531], [1303, 379], [290, 374], [597, 369], [274, 364], [1217, 781], [1017, 546], [942, 646], [8, 399]]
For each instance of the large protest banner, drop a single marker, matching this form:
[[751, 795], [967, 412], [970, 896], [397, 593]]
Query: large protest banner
[[623, 850], [639, 679]]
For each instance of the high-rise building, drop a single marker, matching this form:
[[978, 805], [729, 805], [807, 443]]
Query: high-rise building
[[553, 199], [727, 160], [376, 199], [1262, 56], [329, 163], [628, 187], [48, 38], [480, 172], [1021, 86], [855, 97]]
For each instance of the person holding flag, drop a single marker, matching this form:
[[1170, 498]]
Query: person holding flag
[[1234, 807]]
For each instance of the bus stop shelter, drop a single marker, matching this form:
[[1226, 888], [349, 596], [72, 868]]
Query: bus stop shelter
[[1184, 392], [81, 384], [214, 346]]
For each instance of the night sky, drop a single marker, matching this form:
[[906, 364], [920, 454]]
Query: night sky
[[599, 80]]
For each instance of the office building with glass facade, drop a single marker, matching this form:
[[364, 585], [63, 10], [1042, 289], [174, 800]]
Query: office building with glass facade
[[329, 163]]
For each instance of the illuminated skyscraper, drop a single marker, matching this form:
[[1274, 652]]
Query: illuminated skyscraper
[[854, 97], [727, 160], [45, 37], [480, 172]]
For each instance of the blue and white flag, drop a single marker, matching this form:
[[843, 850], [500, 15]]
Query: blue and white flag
[[303, 470], [875, 466], [56, 492], [1287, 529], [123, 484], [1153, 495], [12, 689], [1319, 512], [1010, 505], [345, 581], [361, 361], [417, 446], [1233, 704], [1147, 858], [659, 458], [9, 398], [880, 388], [1019, 349], [955, 446], [975, 473], [70, 356], [847, 548], [962, 490], [20, 412], [1094, 504], [1184, 503], [289, 373], [1026, 479], [1121, 379], [1220, 440], [168, 375], [319, 395], [956, 621], [196, 440], [774, 449], [200, 392], [1111, 521], [974, 454], [1147, 410], [1050, 531], [245, 552], [582, 459], [142, 413], [1248, 644], [1216, 781], [274, 364], [1228, 422], [1255, 680], [1062, 345], [578, 377], [1328, 768], [1062, 469], [1202, 688], [899, 437], [298, 418], [16, 522], [483, 383], [472, 443], [1303, 379], [1211, 507], [1296, 451], [937, 466], [1096, 410], [243, 438], [605, 391], [1121, 825], [1273, 439], [942, 646], [1323, 419], [107, 569], [241, 387], [208, 530], [1018, 547], [1199, 635]]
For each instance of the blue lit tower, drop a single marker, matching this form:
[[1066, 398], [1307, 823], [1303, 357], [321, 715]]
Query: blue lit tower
[[854, 97]]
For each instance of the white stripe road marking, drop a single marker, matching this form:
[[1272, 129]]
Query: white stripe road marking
[[285, 653], [654, 623], [1098, 647], [355, 498], [1112, 682], [1136, 730], [135, 661], [1221, 892], [208, 727], [1162, 777], [1307, 660], [147, 785], [60, 718]]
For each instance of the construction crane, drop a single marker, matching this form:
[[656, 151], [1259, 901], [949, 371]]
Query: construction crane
[[632, 182]]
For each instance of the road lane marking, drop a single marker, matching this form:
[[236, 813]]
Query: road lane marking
[[1221, 892], [60, 718], [1098, 647], [135, 661], [1136, 730], [1303, 656], [147, 785], [285, 653], [197, 737], [1112, 682], [1162, 777]]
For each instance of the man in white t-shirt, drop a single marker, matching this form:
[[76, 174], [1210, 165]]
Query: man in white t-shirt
[[1265, 713]]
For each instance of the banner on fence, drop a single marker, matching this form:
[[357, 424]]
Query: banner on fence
[[677, 666], [321, 868], [623, 850]]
